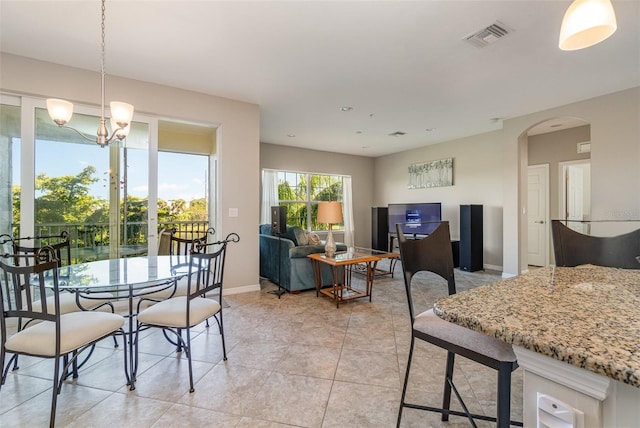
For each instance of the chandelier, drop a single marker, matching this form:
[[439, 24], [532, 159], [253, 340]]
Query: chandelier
[[121, 113]]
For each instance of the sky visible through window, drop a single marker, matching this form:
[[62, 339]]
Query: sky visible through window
[[180, 176]]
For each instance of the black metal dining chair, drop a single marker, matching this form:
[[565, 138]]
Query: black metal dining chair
[[62, 337], [61, 246], [203, 300], [181, 243], [433, 254], [573, 248], [174, 243], [58, 247]]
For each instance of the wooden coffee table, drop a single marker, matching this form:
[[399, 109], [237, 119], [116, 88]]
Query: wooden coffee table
[[341, 269]]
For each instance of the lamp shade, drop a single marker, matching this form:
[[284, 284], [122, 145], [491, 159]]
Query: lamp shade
[[60, 111], [329, 212], [586, 23]]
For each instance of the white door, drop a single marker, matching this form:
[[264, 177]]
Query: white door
[[538, 215], [576, 195]]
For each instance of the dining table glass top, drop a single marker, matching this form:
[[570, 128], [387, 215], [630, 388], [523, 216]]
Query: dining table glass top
[[131, 273]]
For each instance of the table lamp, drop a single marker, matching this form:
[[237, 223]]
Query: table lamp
[[330, 213]]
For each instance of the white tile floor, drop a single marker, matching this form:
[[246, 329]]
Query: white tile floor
[[294, 361]]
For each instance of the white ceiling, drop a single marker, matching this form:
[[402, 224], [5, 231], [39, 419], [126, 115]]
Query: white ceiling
[[402, 65]]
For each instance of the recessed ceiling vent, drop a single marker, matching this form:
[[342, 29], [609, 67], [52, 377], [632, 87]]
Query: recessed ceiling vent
[[488, 35]]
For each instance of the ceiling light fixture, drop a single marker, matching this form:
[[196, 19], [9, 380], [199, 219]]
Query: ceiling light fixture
[[586, 23], [121, 113], [346, 108], [397, 134]]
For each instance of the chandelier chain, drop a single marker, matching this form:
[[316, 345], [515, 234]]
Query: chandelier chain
[[102, 134], [121, 113]]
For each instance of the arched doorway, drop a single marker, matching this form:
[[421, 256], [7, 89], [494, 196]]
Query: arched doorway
[[557, 182]]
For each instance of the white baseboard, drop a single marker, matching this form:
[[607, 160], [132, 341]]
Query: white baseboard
[[493, 267], [238, 290]]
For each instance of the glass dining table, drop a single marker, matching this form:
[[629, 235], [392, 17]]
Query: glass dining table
[[126, 279]]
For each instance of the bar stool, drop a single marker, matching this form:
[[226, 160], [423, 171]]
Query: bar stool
[[433, 254]]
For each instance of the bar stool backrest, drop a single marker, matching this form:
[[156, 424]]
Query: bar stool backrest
[[572, 248], [432, 253]]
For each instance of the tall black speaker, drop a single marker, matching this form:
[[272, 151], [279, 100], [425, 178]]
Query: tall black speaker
[[379, 228], [279, 219], [471, 257]]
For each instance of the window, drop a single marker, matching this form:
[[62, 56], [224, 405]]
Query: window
[[98, 195], [184, 176], [300, 193], [108, 199], [9, 168], [183, 181]]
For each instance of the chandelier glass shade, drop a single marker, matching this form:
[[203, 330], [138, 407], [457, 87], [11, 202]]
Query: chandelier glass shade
[[586, 23], [61, 111]]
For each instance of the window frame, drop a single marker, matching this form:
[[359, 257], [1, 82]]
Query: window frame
[[310, 200]]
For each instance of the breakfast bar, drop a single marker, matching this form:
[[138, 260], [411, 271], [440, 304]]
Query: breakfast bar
[[576, 332]]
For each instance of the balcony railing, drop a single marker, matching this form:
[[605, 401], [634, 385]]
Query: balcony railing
[[91, 241]]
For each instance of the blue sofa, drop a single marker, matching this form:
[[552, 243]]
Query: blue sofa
[[295, 272]]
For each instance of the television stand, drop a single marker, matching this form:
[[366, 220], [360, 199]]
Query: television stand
[[455, 246]]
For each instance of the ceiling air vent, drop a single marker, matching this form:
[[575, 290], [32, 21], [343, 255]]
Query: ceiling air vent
[[488, 35]]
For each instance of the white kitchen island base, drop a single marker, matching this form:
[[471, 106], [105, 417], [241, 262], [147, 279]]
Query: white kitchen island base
[[596, 401]]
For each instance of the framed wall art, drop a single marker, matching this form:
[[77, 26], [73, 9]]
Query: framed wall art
[[437, 173]]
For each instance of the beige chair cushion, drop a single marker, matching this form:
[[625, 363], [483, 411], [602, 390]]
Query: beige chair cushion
[[172, 312], [68, 302], [76, 330], [429, 323]]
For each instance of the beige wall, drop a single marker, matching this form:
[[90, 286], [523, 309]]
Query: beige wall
[[360, 169], [237, 140], [615, 164], [477, 178]]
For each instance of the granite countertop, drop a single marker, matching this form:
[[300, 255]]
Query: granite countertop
[[588, 316]]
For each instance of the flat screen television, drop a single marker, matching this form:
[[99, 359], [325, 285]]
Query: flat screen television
[[416, 218]]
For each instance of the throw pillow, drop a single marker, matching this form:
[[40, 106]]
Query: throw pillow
[[301, 236], [314, 239]]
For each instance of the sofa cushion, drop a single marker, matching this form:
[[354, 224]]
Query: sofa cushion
[[266, 229], [301, 236], [290, 234]]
